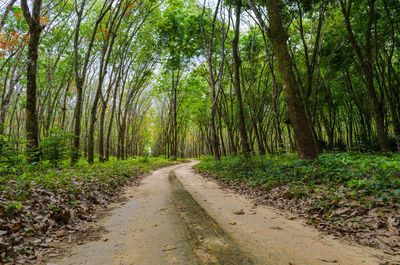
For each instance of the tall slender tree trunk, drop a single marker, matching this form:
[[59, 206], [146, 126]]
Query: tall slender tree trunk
[[221, 135], [367, 68], [77, 120], [105, 57], [175, 135], [93, 118], [212, 82], [214, 137], [275, 106], [5, 14], [79, 81], [80, 77], [12, 85], [236, 68], [111, 122], [101, 131], [121, 142], [174, 115]]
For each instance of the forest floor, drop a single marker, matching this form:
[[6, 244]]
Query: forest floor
[[41, 206], [349, 195], [176, 216]]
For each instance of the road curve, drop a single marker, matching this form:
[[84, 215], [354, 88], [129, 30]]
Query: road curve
[[177, 217]]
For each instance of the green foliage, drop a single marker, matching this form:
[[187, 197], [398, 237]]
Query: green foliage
[[179, 33], [363, 175], [12, 208], [82, 178], [55, 147], [11, 160]]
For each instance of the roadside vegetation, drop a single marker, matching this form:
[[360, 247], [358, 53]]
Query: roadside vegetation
[[352, 194], [51, 201]]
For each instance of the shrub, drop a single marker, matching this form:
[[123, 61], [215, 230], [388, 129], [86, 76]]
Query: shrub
[[55, 147], [375, 175], [10, 158]]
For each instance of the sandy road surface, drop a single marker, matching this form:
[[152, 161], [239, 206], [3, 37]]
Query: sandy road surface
[[182, 218]]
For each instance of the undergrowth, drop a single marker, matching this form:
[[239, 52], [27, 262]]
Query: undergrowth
[[81, 178], [353, 175]]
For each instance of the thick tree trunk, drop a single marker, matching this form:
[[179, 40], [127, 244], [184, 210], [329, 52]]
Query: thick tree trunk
[[303, 132], [35, 29]]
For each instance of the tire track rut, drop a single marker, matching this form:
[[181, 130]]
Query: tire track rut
[[209, 241]]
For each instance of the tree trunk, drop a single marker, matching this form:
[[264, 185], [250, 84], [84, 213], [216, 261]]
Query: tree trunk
[[101, 131], [35, 29], [366, 66], [77, 120], [79, 81], [111, 122], [303, 132], [236, 68], [5, 14], [93, 118]]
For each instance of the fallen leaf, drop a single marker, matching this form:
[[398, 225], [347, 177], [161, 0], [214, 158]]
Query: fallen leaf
[[329, 260], [60, 233], [167, 248], [392, 226]]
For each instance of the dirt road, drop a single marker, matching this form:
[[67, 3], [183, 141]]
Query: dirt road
[[177, 217]]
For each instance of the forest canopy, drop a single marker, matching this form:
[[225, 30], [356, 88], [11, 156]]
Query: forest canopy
[[95, 79]]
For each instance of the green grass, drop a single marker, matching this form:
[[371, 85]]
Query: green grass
[[82, 178], [365, 178]]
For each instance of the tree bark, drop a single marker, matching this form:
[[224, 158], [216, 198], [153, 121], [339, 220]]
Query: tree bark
[[35, 29], [236, 68], [80, 77], [303, 133], [5, 15], [366, 66]]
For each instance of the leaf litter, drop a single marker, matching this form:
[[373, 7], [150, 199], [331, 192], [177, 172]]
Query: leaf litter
[[376, 225], [29, 235]]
